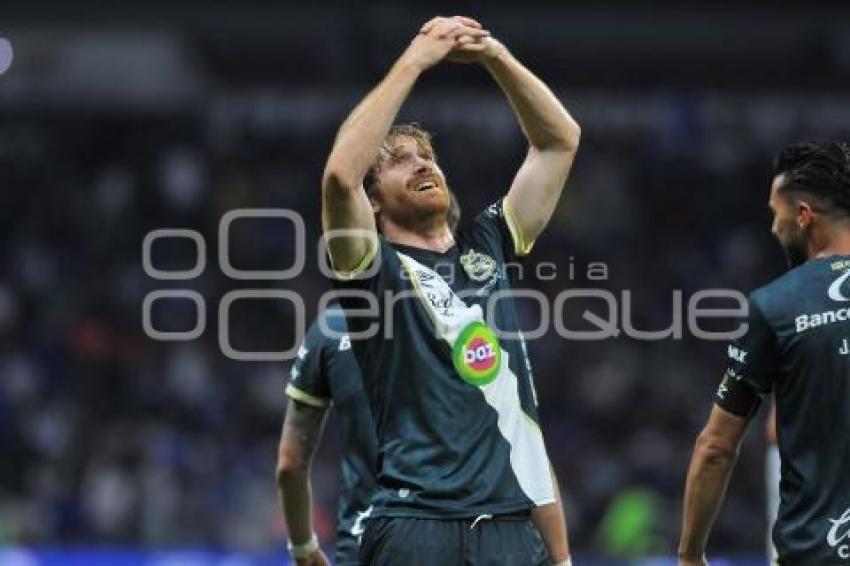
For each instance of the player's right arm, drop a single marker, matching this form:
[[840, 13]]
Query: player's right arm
[[715, 453], [302, 428], [749, 375], [770, 426], [772, 473], [345, 205]]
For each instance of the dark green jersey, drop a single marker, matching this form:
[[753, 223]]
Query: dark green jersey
[[798, 346], [455, 410], [326, 372]]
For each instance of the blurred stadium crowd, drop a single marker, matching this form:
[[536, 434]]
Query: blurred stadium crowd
[[110, 437]]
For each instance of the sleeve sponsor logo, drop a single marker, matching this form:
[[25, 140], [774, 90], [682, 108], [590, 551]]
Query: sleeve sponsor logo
[[723, 389], [345, 343], [732, 374], [737, 354], [295, 370], [729, 375]]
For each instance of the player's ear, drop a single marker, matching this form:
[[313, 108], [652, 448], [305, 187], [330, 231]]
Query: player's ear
[[805, 214]]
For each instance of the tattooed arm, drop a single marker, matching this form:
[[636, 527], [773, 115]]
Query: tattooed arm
[[302, 428]]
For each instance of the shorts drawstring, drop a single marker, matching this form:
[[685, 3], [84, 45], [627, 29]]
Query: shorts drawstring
[[479, 518]]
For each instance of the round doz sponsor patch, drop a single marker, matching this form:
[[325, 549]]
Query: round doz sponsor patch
[[477, 355]]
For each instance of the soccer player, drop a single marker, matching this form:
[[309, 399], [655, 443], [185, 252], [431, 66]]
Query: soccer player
[[325, 371], [797, 345], [462, 463]]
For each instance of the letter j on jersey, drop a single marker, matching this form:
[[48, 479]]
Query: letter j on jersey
[[477, 355]]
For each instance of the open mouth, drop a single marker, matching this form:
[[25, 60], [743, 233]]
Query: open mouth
[[425, 186]]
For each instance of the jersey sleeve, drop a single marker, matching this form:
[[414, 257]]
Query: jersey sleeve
[[500, 225], [737, 397], [368, 259], [751, 366], [363, 292], [308, 381]]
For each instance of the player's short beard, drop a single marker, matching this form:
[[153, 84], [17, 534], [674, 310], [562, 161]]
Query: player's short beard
[[420, 217], [795, 250]]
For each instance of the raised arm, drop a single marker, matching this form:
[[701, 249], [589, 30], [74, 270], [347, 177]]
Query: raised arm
[[553, 138], [302, 428], [344, 202], [714, 456]]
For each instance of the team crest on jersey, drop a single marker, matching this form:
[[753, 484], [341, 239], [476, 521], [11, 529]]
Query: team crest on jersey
[[477, 265]]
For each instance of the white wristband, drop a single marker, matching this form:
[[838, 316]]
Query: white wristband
[[304, 550], [566, 562]]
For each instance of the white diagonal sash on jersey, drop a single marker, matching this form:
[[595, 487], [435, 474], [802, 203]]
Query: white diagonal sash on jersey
[[452, 317]]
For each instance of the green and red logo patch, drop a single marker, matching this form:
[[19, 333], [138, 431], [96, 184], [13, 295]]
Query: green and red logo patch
[[477, 355]]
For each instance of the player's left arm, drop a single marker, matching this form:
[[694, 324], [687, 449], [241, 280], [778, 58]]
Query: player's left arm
[[551, 523], [715, 453], [552, 134]]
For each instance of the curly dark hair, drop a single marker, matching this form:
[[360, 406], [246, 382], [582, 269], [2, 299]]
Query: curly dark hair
[[819, 170]]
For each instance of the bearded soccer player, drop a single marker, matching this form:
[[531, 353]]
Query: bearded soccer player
[[324, 373], [463, 474], [797, 345]]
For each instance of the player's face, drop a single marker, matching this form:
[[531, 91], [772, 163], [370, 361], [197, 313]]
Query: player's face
[[411, 185], [785, 227]]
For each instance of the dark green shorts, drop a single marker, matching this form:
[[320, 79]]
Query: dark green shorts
[[347, 550], [395, 541]]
